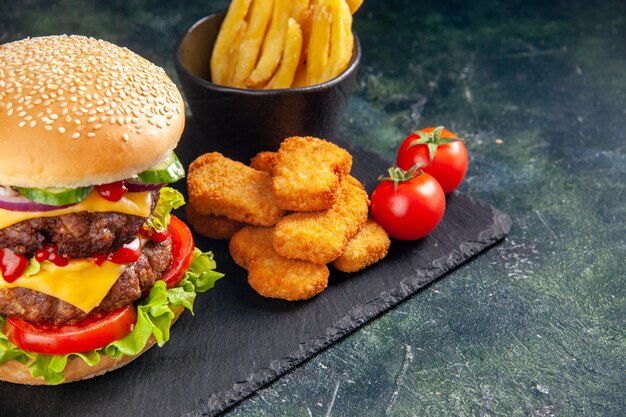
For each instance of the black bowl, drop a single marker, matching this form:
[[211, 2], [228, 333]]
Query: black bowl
[[240, 123]]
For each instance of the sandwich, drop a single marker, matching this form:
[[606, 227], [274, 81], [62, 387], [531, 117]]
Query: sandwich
[[94, 268]]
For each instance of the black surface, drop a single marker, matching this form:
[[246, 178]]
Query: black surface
[[239, 341]]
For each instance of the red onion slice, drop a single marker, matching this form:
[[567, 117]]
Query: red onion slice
[[21, 203], [137, 187]]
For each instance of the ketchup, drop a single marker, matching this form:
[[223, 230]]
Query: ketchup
[[49, 253], [128, 253], [113, 191], [12, 265], [154, 235]]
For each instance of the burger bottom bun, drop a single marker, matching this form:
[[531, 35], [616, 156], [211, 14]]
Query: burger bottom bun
[[76, 368]]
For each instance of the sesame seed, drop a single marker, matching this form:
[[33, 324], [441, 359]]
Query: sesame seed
[[54, 71]]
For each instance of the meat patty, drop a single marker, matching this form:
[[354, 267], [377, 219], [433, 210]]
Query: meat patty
[[78, 235], [135, 279]]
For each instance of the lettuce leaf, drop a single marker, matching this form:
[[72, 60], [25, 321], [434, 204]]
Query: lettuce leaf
[[154, 317], [169, 199]]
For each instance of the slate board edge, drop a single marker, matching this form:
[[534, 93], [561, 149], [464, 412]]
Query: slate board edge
[[358, 315]]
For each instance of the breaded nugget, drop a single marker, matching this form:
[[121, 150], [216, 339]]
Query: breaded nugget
[[272, 275], [307, 172], [321, 236], [263, 161], [368, 246], [214, 227], [220, 186]]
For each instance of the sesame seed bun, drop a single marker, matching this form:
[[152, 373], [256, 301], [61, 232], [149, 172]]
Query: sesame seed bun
[[78, 111]]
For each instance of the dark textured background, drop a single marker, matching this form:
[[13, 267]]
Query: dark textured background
[[533, 327]]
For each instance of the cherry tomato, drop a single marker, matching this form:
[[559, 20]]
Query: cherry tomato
[[113, 191], [92, 333], [182, 249], [12, 265], [408, 204], [450, 160]]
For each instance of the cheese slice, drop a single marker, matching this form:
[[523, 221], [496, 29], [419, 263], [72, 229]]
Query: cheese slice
[[136, 204], [81, 283]]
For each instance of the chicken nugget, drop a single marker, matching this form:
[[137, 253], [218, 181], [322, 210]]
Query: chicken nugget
[[321, 236], [220, 186], [368, 246], [214, 227], [263, 161], [272, 275], [307, 172]]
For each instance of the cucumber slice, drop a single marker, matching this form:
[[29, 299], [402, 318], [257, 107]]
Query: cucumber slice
[[56, 196], [170, 170]]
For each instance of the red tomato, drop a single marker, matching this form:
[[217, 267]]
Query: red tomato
[[182, 249], [449, 163], [92, 333], [413, 209]]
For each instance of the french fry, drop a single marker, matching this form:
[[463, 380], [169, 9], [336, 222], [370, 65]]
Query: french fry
[[299, 9], [319, 43], [300, 78], [236, 14], [354, 5], [272, 46], [260, 15], [283, 78], [231, 58], [342, 40]]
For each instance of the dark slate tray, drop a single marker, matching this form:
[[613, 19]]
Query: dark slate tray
[[239, 341]]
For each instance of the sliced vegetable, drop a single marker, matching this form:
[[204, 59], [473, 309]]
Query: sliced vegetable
[[12, 200], [55, 196], [182, 249], [92, 333], [138, 187], [170, 170]]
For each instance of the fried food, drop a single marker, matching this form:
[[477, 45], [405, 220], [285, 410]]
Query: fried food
[[250, 47], [354, 5], [321, 236], [284, 76], [263, 161], [341, 42], [234, 24], [368, 246], [307, 172], [299, 10], [272, 275], [269, 44], [220, 186], [318, 48], [214, 227], [273, 45]]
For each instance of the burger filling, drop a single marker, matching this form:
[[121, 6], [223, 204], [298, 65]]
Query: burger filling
[[113, 260]]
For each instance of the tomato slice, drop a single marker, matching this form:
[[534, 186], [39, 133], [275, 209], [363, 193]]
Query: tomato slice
[[182, 249], [92, 333]]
